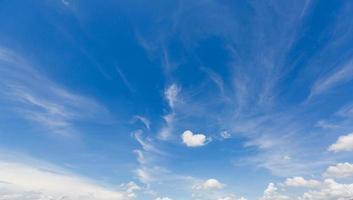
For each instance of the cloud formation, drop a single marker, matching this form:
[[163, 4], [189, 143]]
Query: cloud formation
[[340, 170], [301, 182], [193, 140], [20, 181], [209, 184], [343, 143]]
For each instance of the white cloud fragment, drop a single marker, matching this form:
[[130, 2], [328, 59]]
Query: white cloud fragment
[[340, 170], [193, 140], [20, 181], [271, 193], [163, 198], [340, 76], [231, 197], [225, 135], [330, 190], [209, 184], [171, 94], [301, 182], [42, 101], [146, 122], [343, 143]]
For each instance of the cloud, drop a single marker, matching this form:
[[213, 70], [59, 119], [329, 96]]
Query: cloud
[[340, 76], [271, 193], [143, 175], [146, 143], [301, 182], [231, 197], [193, 140], [327, 189], [146, 122], [20, 181], [39, 100], [340, 170], [330, 190], [171, 94], [163, 198], [124, 79], [210, 184], [343, 143], [225, 135]]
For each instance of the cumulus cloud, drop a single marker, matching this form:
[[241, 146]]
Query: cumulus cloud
[[271, 193], [330, 190], [210, 184], [343, 143], [193, 140], [301, 182], [327, 189], [20, 181], [340, 170]]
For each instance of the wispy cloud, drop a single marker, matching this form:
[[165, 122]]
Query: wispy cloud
[[341, 75], [124, 79], [40, 100], [40, 180]]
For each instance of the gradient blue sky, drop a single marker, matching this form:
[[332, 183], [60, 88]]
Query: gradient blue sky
[[176, 100]]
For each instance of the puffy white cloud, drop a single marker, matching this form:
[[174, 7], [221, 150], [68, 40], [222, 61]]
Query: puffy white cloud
[[301, 182], [330, 190], [340, 170], [327, 189], [163, 198], [193, 140], [344, 143], [271, 193], [210, 184], [25, 182]]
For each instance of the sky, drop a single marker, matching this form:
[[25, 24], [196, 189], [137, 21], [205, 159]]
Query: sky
[[176, 100]]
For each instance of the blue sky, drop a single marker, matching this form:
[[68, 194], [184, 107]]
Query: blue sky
[[176, 100]]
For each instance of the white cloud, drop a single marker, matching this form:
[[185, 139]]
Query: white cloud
[[301, 182], [39, 100], [210, 184], [144, 120], [171, 94], [22, 181], [340, 170], [146, 143], [225, 135], [163, 198], [330, 190], [143, 175], [343, 143], [327, 189], [231, 197], [271, 193], [166, 131], [340, 76], [193, 140]]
